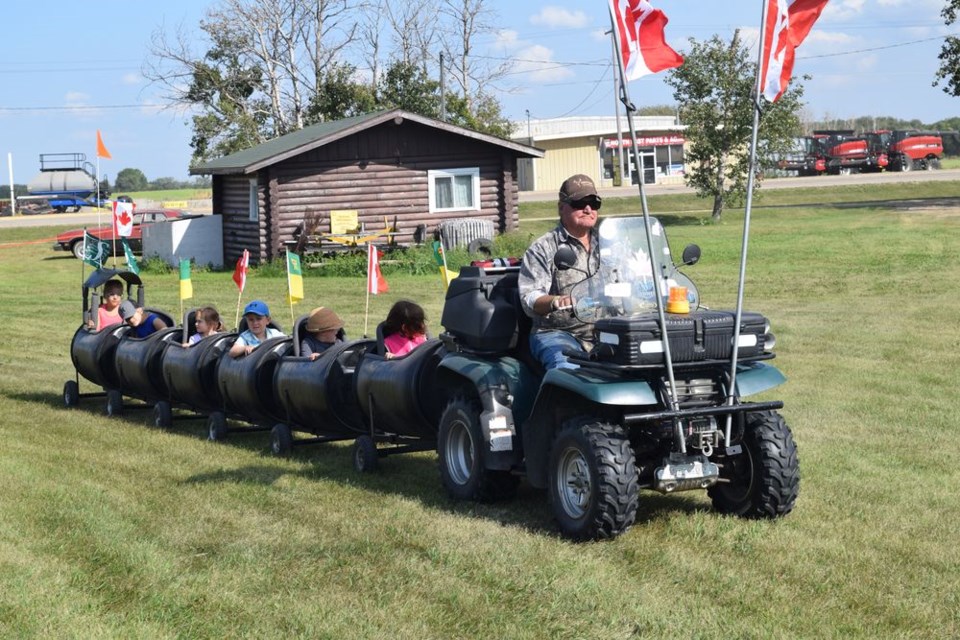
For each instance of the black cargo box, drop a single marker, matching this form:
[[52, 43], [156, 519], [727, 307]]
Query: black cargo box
[[700, 335], [481, 308]]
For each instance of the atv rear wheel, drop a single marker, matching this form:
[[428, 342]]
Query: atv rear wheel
[[462, 450], [764, 480], [593, 480]]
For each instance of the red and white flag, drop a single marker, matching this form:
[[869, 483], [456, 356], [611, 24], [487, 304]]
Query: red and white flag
[[643, 46], [787, 24], [123, 219], [375, 282], [240, 273]]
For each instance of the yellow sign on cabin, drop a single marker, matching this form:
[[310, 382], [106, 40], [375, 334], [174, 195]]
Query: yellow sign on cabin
[[343, 221]]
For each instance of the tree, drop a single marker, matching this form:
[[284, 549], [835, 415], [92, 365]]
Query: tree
[[130, 179], [267, 60], [949, 72], [164, 183], [714, 89], [274, 66]]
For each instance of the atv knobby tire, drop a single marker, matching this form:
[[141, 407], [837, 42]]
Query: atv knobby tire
[[765, 479], [462, 450], [593, 480]]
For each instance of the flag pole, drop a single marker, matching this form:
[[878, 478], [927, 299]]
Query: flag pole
[[748, 207], [366, 312], [236, 322], [629, 108]]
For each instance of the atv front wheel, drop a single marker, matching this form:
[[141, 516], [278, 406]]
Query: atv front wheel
[[764, 480], [462, 450], [593, 480]]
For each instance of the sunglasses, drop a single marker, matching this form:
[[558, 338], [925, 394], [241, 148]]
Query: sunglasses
[[593, 203]]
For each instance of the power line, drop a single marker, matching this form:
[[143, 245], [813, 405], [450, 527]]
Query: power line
[[889, 46], [83, 107]]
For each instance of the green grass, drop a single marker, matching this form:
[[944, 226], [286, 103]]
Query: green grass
[[171, 194], [110, 528]]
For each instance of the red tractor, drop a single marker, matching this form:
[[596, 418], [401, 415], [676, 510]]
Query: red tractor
[[910, 149], [847, 153], [806, 157]]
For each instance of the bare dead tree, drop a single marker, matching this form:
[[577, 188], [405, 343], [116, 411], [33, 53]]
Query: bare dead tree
[[464, 22]]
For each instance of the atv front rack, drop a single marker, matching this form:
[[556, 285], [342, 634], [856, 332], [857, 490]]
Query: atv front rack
[[700, 412]]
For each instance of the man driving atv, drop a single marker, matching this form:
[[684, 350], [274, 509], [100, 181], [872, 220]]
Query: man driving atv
[[545, 290]]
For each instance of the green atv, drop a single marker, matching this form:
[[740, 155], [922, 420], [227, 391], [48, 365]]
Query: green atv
[[636, 414]]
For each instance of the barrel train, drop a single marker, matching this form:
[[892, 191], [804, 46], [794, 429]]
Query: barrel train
[[592, 437]]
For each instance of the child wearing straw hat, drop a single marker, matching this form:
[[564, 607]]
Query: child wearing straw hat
[[322, 327]]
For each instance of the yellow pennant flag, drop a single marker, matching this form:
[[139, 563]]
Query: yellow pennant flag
[[186, 286], [294, 278]]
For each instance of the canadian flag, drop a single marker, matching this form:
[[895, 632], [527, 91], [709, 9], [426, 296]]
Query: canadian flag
[[375, 282], [643, 46], [240, 273], [123, 218], [786, 25]]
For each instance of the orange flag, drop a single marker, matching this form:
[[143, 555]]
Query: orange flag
[[101, 149]]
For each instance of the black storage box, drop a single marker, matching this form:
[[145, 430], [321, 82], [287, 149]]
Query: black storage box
[[481, 308], [697, 336]]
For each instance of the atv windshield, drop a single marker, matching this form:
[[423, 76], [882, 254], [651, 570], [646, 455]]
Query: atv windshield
[[624, 283]]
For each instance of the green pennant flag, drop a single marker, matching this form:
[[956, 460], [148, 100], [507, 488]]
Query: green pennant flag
[[131, 259], [438, 253], [95, 252], [186, 285], [294, 278]]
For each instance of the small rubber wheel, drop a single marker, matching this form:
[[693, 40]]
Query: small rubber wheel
[[365, 457], [217, 427], [71, 393], [281, 440], [114, 403], [162, 415]]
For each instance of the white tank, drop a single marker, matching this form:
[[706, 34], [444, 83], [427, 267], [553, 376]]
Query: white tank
[[70, 181]]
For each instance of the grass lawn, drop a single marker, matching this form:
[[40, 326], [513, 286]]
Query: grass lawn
[[111, 528]]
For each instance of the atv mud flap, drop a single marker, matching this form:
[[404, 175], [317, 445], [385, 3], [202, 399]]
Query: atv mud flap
[[505, 387]]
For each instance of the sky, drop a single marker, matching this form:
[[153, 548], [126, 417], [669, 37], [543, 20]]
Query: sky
[[71, 68]]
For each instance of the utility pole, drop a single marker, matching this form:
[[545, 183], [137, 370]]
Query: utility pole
[[443, 90], [529, 136]]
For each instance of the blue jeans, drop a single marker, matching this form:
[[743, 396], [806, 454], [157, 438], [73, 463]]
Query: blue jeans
[[548, 348]]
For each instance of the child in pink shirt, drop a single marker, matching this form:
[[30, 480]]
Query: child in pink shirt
[[404, 329], [108, 313]]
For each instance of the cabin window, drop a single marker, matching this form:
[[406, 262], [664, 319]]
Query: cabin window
[[254, 201], [454, 189]]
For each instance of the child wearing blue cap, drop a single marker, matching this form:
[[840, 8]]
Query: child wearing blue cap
[[257, 315]]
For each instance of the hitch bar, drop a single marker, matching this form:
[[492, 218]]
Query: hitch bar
[[633, 418]]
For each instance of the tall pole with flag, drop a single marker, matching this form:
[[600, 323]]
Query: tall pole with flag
[[240, 277], [186, 284], [640, 43], [375, 282], [784, 24], [294, 281], [101, 153]]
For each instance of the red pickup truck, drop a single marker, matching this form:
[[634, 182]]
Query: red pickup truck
[[72, 240]]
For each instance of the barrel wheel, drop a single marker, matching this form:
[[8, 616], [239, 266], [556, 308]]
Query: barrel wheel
[[71, 393], [162, 415], [114, 403], [365, 456], [217, 427], [281, 440]]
